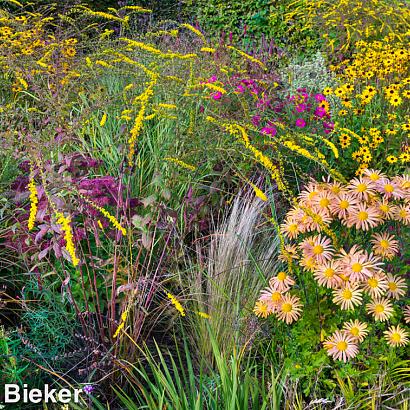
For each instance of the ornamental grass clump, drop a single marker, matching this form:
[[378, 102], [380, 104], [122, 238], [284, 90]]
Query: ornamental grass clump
[[345, 237]]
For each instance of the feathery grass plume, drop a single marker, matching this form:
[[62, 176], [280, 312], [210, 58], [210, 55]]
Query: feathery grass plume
[[241, 256]]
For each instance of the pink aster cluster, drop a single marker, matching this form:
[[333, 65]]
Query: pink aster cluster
[[311, 110]]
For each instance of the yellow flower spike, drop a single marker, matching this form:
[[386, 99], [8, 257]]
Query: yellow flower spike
[[240, 134], [180, 163], [208, 50], [176, 303], [248, 57], [106, 16], [194, 30], [203, 315], [258, 192], [104, 212], [33, 203], [124, 316], [65, 223], [103, 120]]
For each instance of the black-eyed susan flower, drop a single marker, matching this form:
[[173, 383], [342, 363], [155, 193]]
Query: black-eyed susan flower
[[339, 91], [390, 130], [391, 159], [395, 100], [327, 91], [345, 140], [404, 157]]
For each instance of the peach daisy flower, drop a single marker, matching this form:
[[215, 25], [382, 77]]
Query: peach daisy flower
[[380, 308], [271, 297], [296, 213], [373, 175], [358, 330], [385, 245], [281, 282], [404, 183], [362, 188], [385, 209], [316, 222], [376, 286], [290, 229], [406, 312], [389, 189], [317, 247], [308, 264], [341, 346], [289, 309], [327, 274], [308, 194], [341, 205], [288, 251], [363, 217], [332, 186], [396, 336], [322, 201], [402, 214], [262, 309], [347, 297], [396, 286], [358, 265]]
